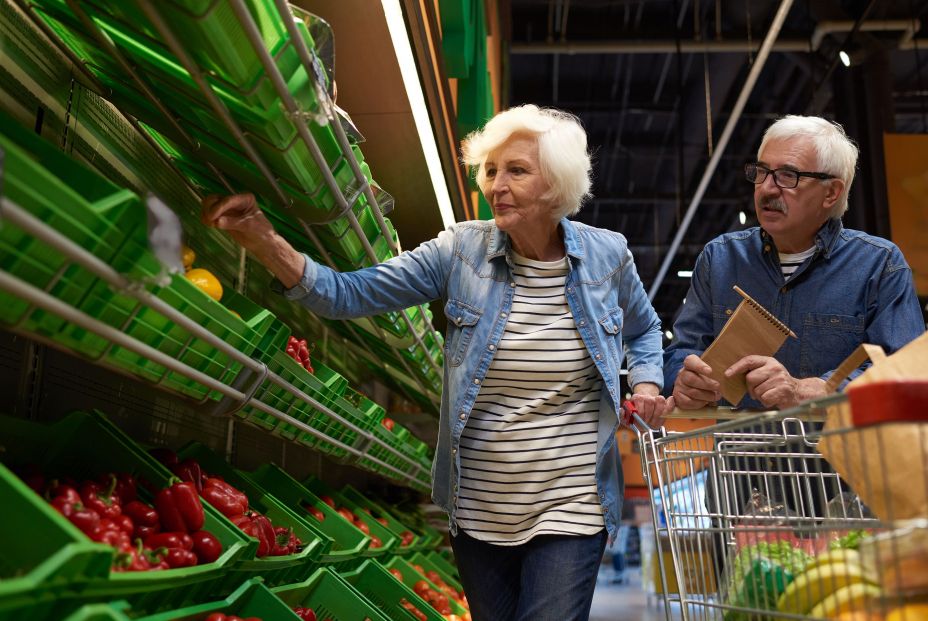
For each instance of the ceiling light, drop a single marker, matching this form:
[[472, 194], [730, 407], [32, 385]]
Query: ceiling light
[[669, 335], [685, 273], [408, 70], [845, 58], [684, 300], [742, 217]]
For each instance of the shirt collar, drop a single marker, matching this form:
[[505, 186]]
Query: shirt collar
[[825, 238], [499, 241]]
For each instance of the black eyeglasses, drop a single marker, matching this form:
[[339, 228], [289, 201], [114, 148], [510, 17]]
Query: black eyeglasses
[[784, 177]]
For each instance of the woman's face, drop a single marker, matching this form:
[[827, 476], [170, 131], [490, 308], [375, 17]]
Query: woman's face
[[514, 185]]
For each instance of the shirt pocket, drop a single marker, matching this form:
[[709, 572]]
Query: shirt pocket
[[611, 324], [462, 321], [826, 340]]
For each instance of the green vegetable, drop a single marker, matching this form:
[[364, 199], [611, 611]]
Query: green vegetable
[[759, 573], [850, 541]]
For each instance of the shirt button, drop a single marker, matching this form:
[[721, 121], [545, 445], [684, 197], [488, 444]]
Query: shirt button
[[476, 381], [458, 320], [766, 247], [491, 347], [462, 417], [503, 315], [582, 322], [570, 289], [783, 290], [599, 356], [728, 311], [454, 451], [512, 284]]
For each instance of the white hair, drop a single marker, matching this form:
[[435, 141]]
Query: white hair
[[835, 153], [562, 152]]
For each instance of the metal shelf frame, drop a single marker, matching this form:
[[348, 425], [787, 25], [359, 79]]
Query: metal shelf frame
[[41, 299]]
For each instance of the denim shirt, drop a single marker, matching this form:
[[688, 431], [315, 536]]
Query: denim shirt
[[469, 267], [855, 288]]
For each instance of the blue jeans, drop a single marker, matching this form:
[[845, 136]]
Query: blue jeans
[[550, 578]]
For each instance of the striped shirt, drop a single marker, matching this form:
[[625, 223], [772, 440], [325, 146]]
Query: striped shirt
[[789, 262], [528, 452]]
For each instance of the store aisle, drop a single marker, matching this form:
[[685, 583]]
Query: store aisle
[[623, 602]]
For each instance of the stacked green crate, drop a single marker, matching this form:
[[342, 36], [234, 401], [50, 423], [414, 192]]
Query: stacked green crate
[[411, 576], [251, 599], [387, 592], [98, 612], [388, 538], [84, 446], [348, 542], [273, 569], [399, 528], [330, 597]]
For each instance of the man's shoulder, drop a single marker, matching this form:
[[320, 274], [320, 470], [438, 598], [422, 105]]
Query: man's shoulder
[[853, 236], [735, 238]]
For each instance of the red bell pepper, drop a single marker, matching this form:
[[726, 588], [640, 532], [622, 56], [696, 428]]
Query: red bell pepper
[[125, 524], [219, 616], [190, 471], [85, 519], [141, 513], [170, 540], [102, 499], [250, 525], [224, 497], [179, 557], [66, 499], [179, 508], [126, 487], [206, 546]]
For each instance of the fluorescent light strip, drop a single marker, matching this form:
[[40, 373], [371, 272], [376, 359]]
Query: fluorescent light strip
[[685, 273], [397, 27]]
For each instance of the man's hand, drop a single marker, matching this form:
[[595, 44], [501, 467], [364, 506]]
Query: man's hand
[[770, 383], [240, 216], [694, 387]]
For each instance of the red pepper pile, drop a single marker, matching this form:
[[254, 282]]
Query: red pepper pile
[[347, 514], [306, 614], [108, 510], [220, 616], [299, 351], [233, 503]]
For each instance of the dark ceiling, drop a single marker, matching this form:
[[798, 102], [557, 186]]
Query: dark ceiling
[[642, 74]]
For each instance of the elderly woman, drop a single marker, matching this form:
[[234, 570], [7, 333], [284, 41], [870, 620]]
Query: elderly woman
[[541, 312]]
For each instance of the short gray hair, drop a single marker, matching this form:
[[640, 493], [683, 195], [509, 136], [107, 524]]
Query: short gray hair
[[562, 152], [835, 153]]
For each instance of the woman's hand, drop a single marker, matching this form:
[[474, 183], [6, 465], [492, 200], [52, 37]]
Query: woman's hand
[[240, 216], [652, 407]]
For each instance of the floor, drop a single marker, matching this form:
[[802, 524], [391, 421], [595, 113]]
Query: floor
[[626, 601]]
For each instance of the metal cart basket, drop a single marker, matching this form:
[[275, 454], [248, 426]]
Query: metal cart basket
[[753, 522]]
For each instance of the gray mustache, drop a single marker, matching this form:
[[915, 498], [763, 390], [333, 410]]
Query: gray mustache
[[775, 204]]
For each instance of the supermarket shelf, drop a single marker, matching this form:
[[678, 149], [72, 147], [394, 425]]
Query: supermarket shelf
[[15, 215]]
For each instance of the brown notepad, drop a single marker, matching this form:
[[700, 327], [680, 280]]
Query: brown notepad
[[751, 330]]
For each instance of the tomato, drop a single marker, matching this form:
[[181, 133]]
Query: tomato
[[364, 528], [205, 280], [347, 514], [328, 500], [316, 513], [376, 542], [397, 574], [388, 423]]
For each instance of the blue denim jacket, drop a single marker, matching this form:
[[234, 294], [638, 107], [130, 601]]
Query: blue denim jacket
[[855, 289], [469, 267]]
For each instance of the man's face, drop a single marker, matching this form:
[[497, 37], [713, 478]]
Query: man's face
[[793, 216]]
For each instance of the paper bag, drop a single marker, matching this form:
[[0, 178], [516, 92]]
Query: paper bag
[[884, 464]]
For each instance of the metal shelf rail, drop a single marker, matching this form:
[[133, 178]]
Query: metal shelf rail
[[296, 114], [41, 299]]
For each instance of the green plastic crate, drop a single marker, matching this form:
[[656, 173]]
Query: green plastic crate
[[84, 445], [330, 597], [411, 576], [428, 565], [67, 197], [396, 526], [385, 591], [348, 541], [36, 570], [252, 598], [99, 612], [273, 569], [444, 564], [387, 537]]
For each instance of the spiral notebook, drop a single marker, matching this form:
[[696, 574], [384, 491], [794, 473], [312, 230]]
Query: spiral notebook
[[751, 330]]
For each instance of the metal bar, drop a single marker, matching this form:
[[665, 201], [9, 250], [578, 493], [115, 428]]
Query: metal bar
[[218, 107], [738, 108]]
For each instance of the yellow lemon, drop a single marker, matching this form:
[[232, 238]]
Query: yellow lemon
[[205, 280], [188, 256]]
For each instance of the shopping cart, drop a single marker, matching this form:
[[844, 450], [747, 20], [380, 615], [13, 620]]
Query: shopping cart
[[752, 521]]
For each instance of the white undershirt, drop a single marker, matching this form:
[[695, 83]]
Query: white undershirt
[[790, 262]]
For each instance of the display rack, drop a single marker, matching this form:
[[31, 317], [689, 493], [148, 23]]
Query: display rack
[[417, 477]]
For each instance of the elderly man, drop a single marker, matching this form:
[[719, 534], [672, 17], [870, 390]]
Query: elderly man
[[836, 288]]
